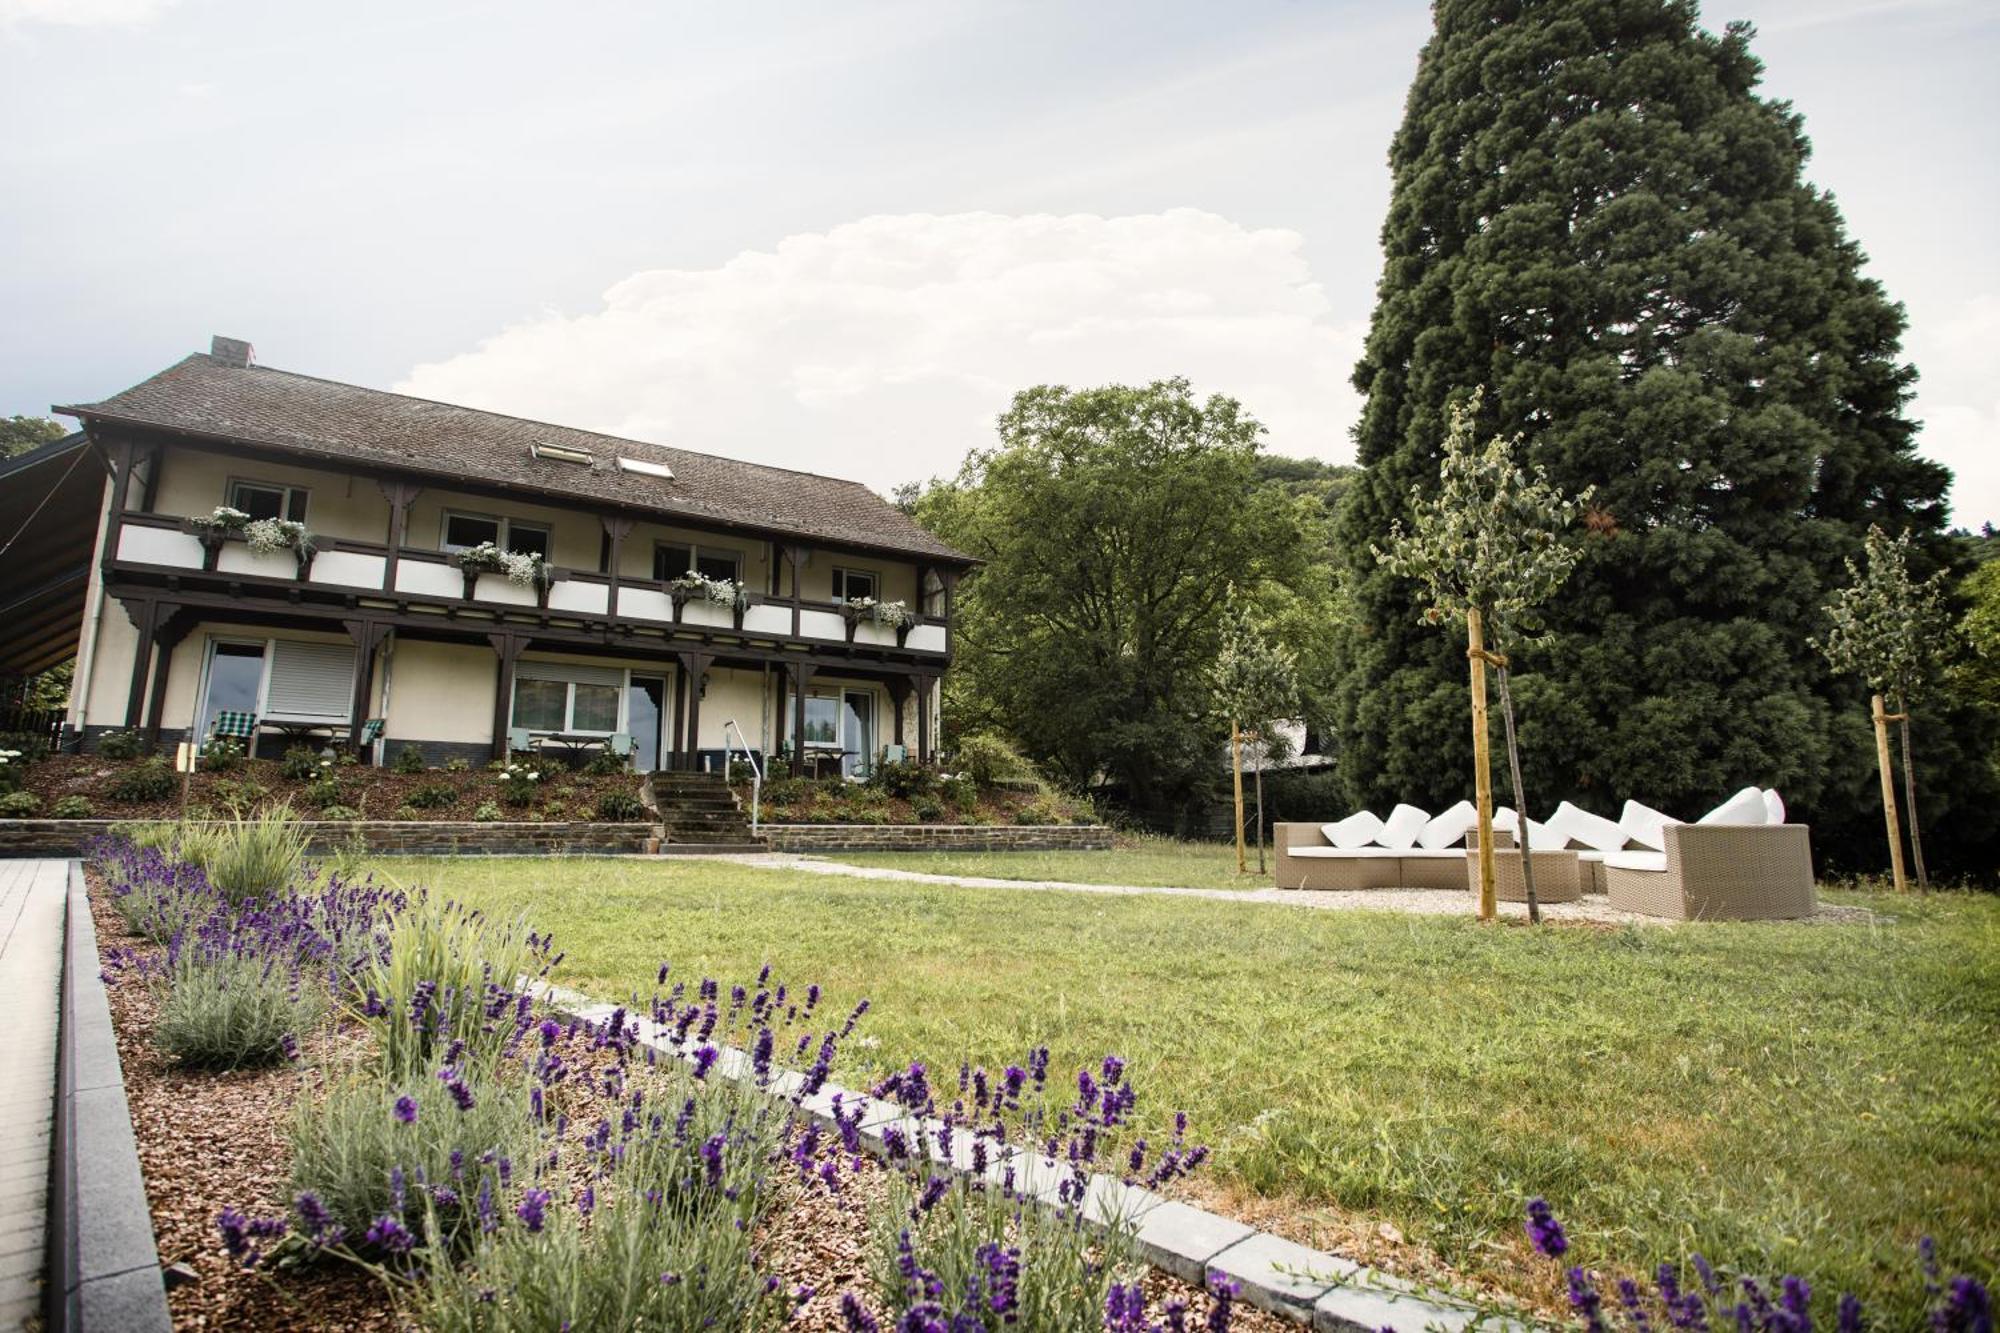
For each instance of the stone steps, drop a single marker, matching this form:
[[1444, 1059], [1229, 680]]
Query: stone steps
[[697, 812]]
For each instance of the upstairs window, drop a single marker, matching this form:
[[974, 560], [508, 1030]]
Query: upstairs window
[[463, 531], [854, 585], [268, 500], [672, 560]]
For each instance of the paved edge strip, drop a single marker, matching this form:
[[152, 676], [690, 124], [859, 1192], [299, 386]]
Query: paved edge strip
[[1309, 1287], [103, 1264]]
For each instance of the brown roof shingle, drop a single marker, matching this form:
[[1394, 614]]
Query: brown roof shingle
[[277, 409]]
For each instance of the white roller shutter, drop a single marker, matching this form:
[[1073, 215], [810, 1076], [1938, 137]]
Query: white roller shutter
[[570, 671], [310, 680]]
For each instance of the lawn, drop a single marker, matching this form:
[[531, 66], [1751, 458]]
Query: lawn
[[1781, 1098], [1147, 861]]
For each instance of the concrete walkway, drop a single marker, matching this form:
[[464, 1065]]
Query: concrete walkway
[[1425, 902], [32, 894]]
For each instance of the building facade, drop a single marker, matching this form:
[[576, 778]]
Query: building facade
[[820, 610]]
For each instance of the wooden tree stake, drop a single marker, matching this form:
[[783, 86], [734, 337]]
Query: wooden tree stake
[[1236, 766], [1482, 762], [1888, 794]]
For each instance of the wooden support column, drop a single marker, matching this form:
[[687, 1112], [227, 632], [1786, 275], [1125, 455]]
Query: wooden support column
[[899, 695], [795, 557], [399, 494], [367, 636], [801, 674], [170, 626], [508, 648], [143, 615], [694, 666], [617, 530], [121, 488], [923, 685]]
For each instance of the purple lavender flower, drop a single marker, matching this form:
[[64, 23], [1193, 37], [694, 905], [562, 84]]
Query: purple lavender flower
[[711, 1157], [704, 1060], [290, 1046], [534, 1205], [1224, 1292], [388, 1233], [760, 1055], [857, 1319], [1002, 1279], [1967, 1308], [1544, 1232], [1583, 1298], [1849, 1318], [406, 1110]]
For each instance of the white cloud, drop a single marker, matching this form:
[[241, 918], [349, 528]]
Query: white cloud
[[883, 349], [1958, 400], [81, 13]]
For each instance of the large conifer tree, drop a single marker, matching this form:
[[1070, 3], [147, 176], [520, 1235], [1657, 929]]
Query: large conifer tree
[[1596, 217]]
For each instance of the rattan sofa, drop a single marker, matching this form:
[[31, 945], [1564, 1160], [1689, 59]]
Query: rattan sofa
[[1718, 872], [1306, 860]]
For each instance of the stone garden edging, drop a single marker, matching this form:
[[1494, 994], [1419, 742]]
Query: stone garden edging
[[936, 837], [103, 1265], [386, 837], [1309, 1287]]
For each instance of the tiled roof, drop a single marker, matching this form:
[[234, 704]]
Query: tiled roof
[[277, 409]]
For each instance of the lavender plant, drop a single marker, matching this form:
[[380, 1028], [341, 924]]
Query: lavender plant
[[1698, 1297], [225, 1004]]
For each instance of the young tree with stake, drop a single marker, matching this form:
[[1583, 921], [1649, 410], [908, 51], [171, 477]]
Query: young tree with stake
[[1256, 684], [1892, 631], [1487, 550]]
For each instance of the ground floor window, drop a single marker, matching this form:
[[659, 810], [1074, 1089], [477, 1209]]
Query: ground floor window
[[841, 724], [277, 680], [557, 697]]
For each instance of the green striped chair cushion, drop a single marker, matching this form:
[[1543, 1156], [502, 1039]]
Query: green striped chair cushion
[[236, 726]]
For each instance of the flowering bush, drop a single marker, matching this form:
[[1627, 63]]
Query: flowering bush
[[221, 755], [1704, 1298], [523, 568], [222, 519], [892, 614], [269, 536], [517, 783], [693, 586], [10, 770]]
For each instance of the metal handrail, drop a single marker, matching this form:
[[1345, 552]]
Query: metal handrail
[[756, 769]]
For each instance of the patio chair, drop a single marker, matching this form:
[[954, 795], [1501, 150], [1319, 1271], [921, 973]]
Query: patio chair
[[371, 731], [895, 754], [1739, 862], [619, 744], [519, 741], [230, 725]]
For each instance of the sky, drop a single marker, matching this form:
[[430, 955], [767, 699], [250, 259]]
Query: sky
[[839, 237]]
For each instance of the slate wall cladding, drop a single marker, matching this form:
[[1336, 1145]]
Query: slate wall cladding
[[66, 837], [937, 837]]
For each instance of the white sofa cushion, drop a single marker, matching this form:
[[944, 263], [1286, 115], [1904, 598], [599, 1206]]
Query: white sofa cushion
[[1645, 825], [1400, 829], [1636, 861], [1505, 819], [1774, 806], [1449, 828], [1745, 807], [1357, 830], [1578, 825]]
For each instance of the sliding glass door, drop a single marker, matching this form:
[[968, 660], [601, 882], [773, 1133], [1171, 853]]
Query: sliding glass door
[[646, 719]]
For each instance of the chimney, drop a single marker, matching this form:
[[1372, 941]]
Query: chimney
[[233, 352]]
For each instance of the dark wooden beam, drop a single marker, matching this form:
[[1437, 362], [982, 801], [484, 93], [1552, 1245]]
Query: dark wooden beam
[[367, 635], [507, 647], [170, 625], [399, 493], [802, 674], [899, 694], [694, 666], [142, 615]]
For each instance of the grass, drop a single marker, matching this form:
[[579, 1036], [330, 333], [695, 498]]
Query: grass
[[1805, 1099], [1151, 862]]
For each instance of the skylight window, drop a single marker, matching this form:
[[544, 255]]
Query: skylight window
[[562, 454], [645, 468]]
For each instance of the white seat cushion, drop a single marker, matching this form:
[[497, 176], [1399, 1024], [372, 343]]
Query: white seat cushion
[[1774, 807], [1745, 807], [1345, 853], [1400, 829], [1645, 825], [1357, 830], [1578, 825], [1505, 819], [1432, 854], [1449, 828], [1636, 861]]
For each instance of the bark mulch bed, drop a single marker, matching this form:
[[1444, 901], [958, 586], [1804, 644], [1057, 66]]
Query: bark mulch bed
[[209, 1141], [377, 793]]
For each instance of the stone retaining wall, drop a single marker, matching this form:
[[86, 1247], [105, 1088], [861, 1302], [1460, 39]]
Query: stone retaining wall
[[937, 837], [66, 837]]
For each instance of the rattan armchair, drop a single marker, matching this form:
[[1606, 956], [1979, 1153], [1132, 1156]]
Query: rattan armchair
[[1720, 872]]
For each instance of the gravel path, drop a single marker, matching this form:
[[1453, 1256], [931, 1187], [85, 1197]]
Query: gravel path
[[1425, 902]]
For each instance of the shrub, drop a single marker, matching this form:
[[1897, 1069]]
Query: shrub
[[257, 857], [458, 764], [340, 813], [927, 809], [19, 805], [1038, 812], [446, 965], [123, 745], [302, 764], [488, 813], [239, 796], [323, 792], [960, 791], [605, 764], [517, 783], [904, 779], [432, 796], [741, 771], [31, 747], [408, 813], [620, 807], [409, 759], [150, 780], [990, 760], [221, 755], [223, 1010], [555, 812]]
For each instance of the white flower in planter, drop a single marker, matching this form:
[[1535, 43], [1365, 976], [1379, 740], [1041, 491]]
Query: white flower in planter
[[268, 536]]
